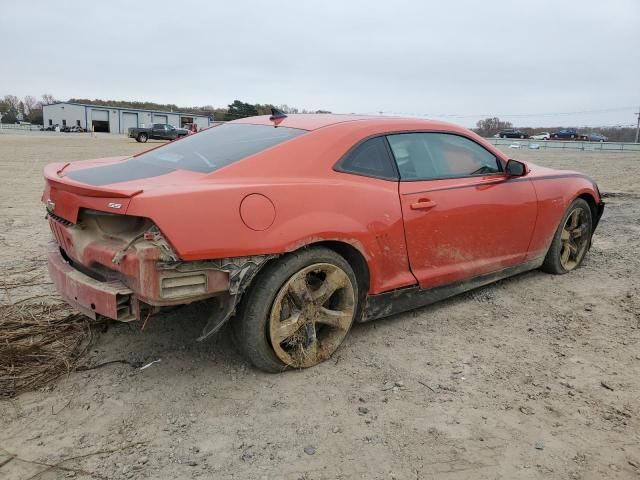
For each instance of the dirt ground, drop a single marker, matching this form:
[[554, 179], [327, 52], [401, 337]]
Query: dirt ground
[[537, 376]]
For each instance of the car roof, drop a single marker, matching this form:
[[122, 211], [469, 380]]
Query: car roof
[[315, 121]]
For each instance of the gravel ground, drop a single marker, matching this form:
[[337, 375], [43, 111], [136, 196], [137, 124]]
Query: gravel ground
[[537, 376]]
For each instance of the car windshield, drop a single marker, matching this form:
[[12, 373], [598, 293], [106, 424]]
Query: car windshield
[[218, 146]]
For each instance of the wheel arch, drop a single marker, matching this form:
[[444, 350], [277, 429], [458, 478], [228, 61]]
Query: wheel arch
[[352, 254], [354, 257], [593, 206]]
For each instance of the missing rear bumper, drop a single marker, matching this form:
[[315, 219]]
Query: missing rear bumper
[[169, 283], [111, 299]]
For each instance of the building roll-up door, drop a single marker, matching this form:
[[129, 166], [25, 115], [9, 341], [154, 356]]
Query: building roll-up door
[[100, 120], [159, 118], [100, 115], [129, 120]]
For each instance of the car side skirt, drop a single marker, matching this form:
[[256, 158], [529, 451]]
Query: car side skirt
[[409, 298]]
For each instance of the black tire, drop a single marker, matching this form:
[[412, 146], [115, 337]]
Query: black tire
[[553, 261], [142, 138], [251, 325]]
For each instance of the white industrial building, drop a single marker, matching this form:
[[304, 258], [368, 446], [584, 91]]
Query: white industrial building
[[114, 119]]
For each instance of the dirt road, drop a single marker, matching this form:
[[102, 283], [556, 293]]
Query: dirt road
[[537, 376]]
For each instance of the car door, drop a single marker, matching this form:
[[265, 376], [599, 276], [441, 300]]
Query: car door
[[158, 130], [463, 217]]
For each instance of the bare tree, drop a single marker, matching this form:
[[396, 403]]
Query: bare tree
[[12, 102], [48, 99], [490, 126], [30, 104]]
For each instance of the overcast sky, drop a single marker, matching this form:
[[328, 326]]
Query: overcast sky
[[458, 60]]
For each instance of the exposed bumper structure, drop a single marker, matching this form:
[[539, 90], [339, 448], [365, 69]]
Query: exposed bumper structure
[[111, 299], [145, 285]]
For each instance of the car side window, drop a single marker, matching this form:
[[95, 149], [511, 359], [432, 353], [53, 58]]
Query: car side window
[[371, 158], [428, 156]]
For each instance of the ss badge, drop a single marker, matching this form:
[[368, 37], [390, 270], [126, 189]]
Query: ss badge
[[114, 205]]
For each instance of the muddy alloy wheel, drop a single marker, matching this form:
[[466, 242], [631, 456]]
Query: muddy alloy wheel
[[311, 315], [298, 309], [574, 238], [571, 240]]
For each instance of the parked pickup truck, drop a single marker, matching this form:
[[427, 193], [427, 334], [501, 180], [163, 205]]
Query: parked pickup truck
[[158, 131]]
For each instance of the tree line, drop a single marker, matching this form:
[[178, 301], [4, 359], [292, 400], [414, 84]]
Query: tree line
[[236, 109], [29, 109]]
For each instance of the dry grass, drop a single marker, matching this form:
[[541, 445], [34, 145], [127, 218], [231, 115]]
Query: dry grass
[[39, 343]]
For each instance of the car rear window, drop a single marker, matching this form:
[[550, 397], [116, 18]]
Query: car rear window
[[217, 147], [205, 152]]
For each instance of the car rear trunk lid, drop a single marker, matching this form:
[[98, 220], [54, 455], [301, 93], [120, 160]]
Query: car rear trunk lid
[[64, 197]]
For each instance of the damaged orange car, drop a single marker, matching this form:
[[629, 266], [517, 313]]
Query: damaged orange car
[[295, 227]]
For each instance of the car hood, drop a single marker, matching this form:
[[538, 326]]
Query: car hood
[[539, 171]]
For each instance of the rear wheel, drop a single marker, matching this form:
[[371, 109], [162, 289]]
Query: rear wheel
[[571, 241], [142, 137], [298, 311]]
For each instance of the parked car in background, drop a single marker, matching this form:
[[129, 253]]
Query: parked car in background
[[541, 136], [565, 134], [259, 222], [511, 133], [596, 137], [157, 131]]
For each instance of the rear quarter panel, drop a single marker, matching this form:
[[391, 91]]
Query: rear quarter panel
[[205, 222]]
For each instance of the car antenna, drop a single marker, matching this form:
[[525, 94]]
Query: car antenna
[[277, 114]]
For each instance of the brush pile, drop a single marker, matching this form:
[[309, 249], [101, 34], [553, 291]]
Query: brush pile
[[39, 343]]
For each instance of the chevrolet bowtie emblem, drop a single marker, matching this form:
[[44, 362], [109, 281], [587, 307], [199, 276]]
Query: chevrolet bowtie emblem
[[50, 206]]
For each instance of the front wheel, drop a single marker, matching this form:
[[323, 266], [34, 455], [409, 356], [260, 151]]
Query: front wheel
[[298, 310], [571, 240]]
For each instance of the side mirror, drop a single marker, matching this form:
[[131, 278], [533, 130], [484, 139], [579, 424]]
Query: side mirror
[[516, 169]]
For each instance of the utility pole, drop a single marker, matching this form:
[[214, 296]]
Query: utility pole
[[638, 127]]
